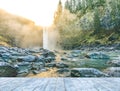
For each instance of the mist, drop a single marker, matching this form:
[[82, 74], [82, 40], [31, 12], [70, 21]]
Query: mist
[[19, 31], [52, 38]]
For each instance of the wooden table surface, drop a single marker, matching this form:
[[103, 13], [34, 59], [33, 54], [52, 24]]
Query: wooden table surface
[[59, 84]]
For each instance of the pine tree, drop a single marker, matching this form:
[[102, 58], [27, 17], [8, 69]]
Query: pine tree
[[58, 13], [67, 6], [96, 21]]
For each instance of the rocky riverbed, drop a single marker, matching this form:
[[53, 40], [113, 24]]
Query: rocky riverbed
[[39, 62]]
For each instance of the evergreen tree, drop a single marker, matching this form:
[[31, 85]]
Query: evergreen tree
[[67, 6], [58, 13], [96, 21]]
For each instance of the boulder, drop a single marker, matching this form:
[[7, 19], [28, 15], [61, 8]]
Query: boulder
[[37, 66], [28, 58], [73, 55], [97, 55], [23, 73], [113, 71], [114, 63], [61, 65], [86, 72], [14, 53], [40, 58], [63, 72], [76, 51], [64, 58], [6, 55], [50, 64], [47, 53], [49, 59], [57, 65], [35, 50], [6, 70], [3, 49], [35, 72], [23, 68]]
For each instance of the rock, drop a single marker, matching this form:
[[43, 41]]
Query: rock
[[64, 52], [6, 55], [63, 58], [113, 71], [49, 59], [3, 49], [117, 46], [23, 73], [86, 72], [6, 70], [29, 58], [23, 68], [114, 63], [97, 55], [76, 51], [50, 65], [75, 55], [37, 66], [63, 72], [40, 59], [57, 65], [35, 72], [47, 53], [1, 60], [43, 70], [14, 53], [61, 65], [35, 50], [72, 55]]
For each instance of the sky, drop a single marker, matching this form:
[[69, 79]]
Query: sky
[[39, 11]]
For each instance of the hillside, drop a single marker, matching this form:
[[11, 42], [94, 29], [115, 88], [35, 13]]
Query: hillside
[[18, 31], [88, 22]]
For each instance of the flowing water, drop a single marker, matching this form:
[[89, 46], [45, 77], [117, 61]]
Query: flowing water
[[45, 38]]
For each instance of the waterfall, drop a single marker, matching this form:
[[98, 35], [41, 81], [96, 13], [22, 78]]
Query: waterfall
[[50, 37], [45, 38]]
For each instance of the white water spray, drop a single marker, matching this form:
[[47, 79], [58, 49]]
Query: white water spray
[[50, 37], [45, 38]]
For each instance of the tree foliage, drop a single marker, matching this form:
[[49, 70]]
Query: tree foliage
[[94, 20], [58, 13], [18, 31]]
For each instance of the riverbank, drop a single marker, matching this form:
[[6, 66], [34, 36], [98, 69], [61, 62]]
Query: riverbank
[[38, 62]]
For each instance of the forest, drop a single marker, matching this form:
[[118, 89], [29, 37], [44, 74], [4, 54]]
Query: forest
[[88, 23]]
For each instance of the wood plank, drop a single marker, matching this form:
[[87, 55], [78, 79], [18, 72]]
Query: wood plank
[[30, 85], [60, 86], [69, 86], [107, 85], [12, 83], [87, 85], [43, 85], [52, 84], [98, 85], [84, 84], [5, 81]]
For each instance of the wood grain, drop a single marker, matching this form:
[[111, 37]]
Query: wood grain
[[59, 84]]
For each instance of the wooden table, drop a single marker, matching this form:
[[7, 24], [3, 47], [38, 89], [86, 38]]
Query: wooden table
[[59, 84]]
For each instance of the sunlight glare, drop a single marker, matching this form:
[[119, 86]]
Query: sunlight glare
[[39, 11]]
